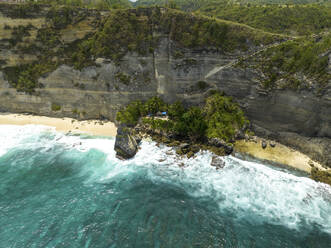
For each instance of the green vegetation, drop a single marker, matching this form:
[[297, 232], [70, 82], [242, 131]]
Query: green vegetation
[[138, 31], [283, 64], [321, 176], [56, 107], [294, 17], [285, 19], [224, 117], [186, 5], [98, 4], [219, 118], [192, 5], [198, 31], [19, 32], [123, 78], [25, 77], [202, 85], [48, 37], [27, 10], [49, 48], [123, 31], [60, 17], [131, 31]]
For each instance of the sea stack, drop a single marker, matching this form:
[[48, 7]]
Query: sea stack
[[126, 145]]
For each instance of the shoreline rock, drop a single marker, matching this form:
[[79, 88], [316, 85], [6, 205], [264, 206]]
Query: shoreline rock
[[126, 145]]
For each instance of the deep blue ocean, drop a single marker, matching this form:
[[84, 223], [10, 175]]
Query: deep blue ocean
[[68, 191]]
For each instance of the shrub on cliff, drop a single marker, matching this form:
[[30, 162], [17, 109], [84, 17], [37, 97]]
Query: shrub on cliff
[[224, 117], [25, 77], [27, 10], [154, 105], [297, 19], [293, 59], [131, 114], [176, 111], [192, 124], [138, 30], [60, 17]]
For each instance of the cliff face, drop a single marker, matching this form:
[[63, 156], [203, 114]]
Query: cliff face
[[299, 118]]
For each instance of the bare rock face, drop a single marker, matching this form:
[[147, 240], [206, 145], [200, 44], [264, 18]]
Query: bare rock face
[[126, 145]]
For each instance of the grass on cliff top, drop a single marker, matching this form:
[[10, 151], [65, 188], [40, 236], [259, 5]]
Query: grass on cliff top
[[285, 19], [282, 16], [220, 117]]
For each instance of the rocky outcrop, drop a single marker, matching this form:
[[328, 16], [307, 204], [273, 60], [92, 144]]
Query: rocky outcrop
[[126, 145], [228, 148]]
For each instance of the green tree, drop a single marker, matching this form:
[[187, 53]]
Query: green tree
[[193, 124], [176, 111], [224, 117], [154, 105], [131, 114]]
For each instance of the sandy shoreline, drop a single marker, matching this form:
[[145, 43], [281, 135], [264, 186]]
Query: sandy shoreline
[[93, 127], [280, 154]]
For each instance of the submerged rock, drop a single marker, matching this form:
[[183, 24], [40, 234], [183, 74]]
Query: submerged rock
[[126, 145], [217, 162]]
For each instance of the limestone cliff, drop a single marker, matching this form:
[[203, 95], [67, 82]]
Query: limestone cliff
[[101, 81]]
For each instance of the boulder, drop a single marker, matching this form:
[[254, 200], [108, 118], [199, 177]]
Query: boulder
[[228, 149], [221, 143], [216, 142], [183, 148], [217, 162], [126, 145]]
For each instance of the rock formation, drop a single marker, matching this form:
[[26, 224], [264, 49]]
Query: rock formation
[[126, 145]]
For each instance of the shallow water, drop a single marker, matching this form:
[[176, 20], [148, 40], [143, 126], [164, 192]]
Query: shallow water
[[71, 191]]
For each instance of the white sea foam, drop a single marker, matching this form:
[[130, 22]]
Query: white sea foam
[[247, 190]]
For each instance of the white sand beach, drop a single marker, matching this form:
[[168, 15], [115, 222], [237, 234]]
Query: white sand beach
[[94, 127]]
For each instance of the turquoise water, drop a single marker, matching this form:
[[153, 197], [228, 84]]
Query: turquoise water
[[71, 191]]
